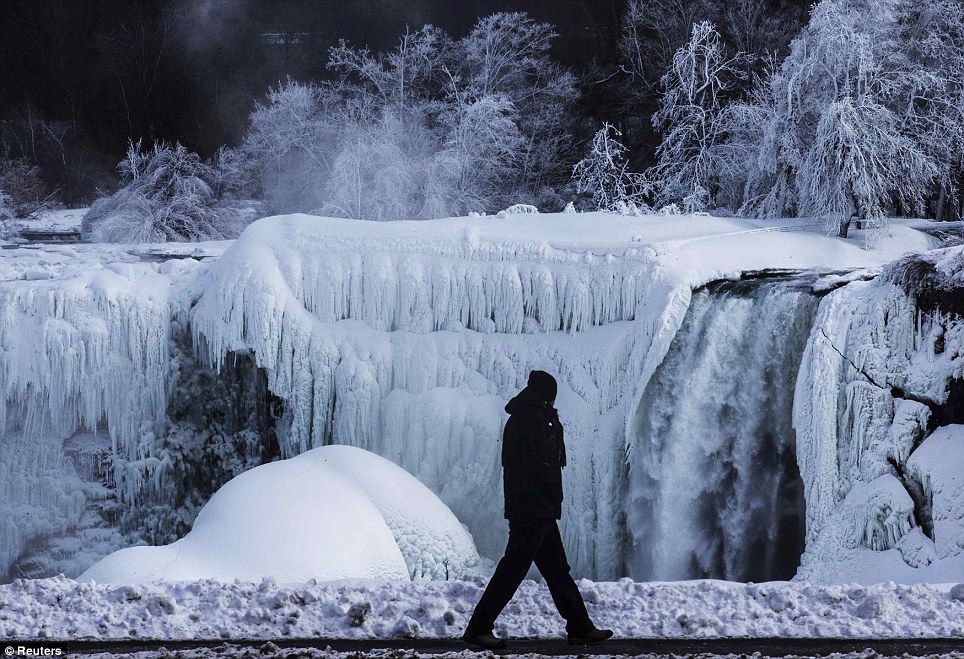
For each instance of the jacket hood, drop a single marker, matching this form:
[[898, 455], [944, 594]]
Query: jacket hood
[[522, 400], [540, 391], [542, 385]]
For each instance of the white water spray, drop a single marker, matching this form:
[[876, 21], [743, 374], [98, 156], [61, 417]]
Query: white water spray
[[713, 485]]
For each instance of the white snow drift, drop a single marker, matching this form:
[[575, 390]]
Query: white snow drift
[[331, 513]]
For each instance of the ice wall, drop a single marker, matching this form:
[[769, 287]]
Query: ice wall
[[874, 383], [713, 485], [410, 347], [84, 338], [407, 338]]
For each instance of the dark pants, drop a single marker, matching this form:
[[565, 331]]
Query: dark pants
[[532, 540]]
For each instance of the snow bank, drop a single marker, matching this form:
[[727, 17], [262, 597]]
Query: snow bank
[[331, 513], [406, 338], [60, 608]]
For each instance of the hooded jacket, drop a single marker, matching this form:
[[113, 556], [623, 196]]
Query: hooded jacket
[[533, 455]]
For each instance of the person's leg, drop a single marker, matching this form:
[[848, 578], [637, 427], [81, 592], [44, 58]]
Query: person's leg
[[525, 536], [551, 561]]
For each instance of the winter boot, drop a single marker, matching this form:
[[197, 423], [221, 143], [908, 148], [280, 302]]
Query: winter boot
[[592, 635], [486, 640]]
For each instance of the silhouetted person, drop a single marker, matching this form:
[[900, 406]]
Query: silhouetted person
[[533, 455]]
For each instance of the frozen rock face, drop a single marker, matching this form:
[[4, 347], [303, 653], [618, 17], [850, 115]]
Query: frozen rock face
[[84, 340], [879, 378], [713, 484], [331, 513]]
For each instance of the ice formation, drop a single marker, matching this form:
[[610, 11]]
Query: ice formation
[[407, 338], [872, 393], [334, 512], [83, 342]]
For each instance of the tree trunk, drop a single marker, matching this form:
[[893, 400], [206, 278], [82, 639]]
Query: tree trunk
[[844, 228], [940, 211]]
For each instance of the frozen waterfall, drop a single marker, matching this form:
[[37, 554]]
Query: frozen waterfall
[[680, 399], [714, 489]]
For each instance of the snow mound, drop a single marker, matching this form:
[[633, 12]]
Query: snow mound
[[331, 513], [432, 540], [938, 465]]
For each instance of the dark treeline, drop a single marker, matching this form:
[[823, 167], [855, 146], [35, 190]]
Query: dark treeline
[[80, 79], [843, 110]]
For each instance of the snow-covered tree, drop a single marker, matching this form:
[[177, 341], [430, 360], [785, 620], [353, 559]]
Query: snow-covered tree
[[231, 175], [22, 191], [292, 143], [507, 55], [929, 45], [430, 128], [850, 123], [691, 119], [603, 174], [858, 159], [652, 31], [379, 171], [403, 78], [480, 152], [166, 195]]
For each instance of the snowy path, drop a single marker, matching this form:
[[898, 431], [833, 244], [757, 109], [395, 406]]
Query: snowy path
[[341, 648], [61, 608]]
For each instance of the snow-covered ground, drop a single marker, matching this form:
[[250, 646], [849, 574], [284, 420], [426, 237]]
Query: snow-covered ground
[[310, 653], [60, 608], [61, 219]]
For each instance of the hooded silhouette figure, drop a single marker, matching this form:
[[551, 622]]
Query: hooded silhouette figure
[[533, 456]]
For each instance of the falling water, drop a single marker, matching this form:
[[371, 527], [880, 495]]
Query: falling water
[[714, 490]]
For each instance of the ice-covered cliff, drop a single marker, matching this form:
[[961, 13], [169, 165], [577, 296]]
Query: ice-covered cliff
[[407, 338], [877, 408], [84, 344]]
